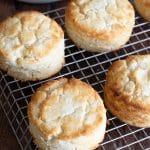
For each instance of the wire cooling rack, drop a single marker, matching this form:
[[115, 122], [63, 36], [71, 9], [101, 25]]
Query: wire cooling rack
[[89, 67]]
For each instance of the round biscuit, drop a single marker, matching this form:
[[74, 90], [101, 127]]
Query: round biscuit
[[67, 114], [99, 25], [127, 90], [31, 46]]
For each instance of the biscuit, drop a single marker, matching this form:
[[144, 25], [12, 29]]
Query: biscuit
[[67, 114], [31, 46], [127, 90], [143, 7], [99, 26]]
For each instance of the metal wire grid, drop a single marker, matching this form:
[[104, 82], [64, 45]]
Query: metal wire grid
[[89, 67]]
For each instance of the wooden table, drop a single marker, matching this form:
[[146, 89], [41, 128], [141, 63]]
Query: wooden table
[[7, 8]]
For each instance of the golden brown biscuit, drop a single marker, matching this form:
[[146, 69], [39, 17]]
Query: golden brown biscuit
[[143, 7], [31, 46], [67, 114], [97, 26], [127, 90]]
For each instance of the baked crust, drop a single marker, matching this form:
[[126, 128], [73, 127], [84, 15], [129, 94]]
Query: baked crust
[[27, 40], [127, 90], [143, 7], [101, 21], [67, 110]]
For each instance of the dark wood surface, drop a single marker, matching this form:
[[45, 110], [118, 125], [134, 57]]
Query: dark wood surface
[[7, 138], [8, 8]]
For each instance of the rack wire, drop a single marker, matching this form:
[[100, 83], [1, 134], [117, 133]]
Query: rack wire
[[89, 67]]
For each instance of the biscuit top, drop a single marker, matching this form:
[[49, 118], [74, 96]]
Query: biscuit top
[[28, 36], [130, 78], [66, 109], [101, 16]]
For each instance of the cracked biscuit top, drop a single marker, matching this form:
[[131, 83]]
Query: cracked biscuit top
[[129, 80], [103, 19], [66, 109], [127, 90], [27, 37]]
